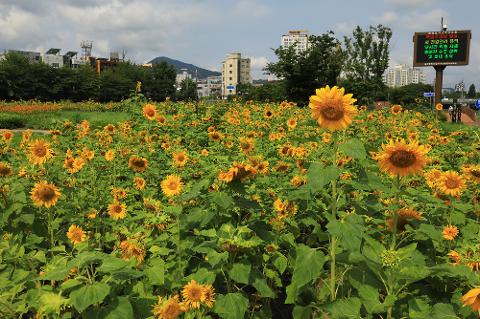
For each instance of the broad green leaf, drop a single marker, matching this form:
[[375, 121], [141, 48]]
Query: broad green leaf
[[262, 287], [223, 200], [443, 311], [308, 267], [88, 295], [345, 308], [240, 273], [354, 148], [280, 262], [300, 312], [214, 257], [112, 264], [231, 306], [122, 308], [319, 176], [156, 271]]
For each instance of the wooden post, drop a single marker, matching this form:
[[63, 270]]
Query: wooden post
[[438, 82]]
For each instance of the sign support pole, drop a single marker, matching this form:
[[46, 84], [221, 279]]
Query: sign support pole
[[438, 82]]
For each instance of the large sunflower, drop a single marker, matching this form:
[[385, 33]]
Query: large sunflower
[[401, 158], [170, 308], [138, 164], [180, 158], [193, 294], [332, 109], [39, 152], [44, 194], [117, 210], [172, 185], [5, 169], [76, 234], [150, 112], [451, 183]]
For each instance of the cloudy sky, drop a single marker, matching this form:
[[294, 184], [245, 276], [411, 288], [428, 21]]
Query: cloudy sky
[[203, 31]]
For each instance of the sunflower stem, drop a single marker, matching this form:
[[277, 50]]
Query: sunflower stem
[[395, 212], [333, 239], [50, 227]]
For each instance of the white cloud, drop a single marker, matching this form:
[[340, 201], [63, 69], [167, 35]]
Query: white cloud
[[411, 4], [388, 17], [258, 63], [251, 8], [343, 27], [414, 20]]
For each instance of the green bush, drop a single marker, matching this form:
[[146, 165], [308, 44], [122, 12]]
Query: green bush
[[11, 121]]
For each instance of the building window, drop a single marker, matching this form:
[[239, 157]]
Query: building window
[[230, 71], [230, 78], [231, 65]]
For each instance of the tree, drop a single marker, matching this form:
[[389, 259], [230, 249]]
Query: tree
[[268, 92], [406, 94], [367, 57], [160, 81], [188, 90], [472, 92], [303, 72]]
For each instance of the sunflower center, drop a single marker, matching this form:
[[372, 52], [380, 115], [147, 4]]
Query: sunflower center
[[475, 172], [451, 183], [117, 209], [402, 158], [180, 158], [4, 170], [332, 113], [195, 294], [172, 185], [40, 151], [150, 112], [138, 163], [46, 194]]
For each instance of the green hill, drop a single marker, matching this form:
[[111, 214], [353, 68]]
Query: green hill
[[178, 65]]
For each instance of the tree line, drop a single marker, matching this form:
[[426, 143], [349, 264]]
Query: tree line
[[21, 80]]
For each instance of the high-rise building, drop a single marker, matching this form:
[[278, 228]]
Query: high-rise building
[[297, 38], [32, 57], [53, 58], [235, 71], [401, 75]]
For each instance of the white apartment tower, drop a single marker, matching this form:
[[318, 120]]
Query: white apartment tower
[[297, 38], [235, 70], [401, 75]]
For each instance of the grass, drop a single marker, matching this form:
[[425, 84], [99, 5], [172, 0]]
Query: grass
[[47, 120]]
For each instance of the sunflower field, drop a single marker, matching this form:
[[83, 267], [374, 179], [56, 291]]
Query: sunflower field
[[243, 210]]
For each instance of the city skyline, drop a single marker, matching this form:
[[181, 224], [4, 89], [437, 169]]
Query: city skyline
[[202, 32]]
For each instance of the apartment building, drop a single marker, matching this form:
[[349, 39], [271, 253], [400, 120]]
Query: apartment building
[[401, 75], [235, 71], [296, 38]]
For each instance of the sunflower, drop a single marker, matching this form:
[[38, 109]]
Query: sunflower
[[172, 185], [5, 169], [455, 257], [109, 155], [132, 249], [117, 210], [215, 135], [396, 109], [76, 234], [193, 294], [449, 232], [139, 183], [149, 111], [110, 128], [432, 177], [138, 164], [472, 299], [332, 109], [7, 135], [39, 152], [162, 120], [180, 158], [439, 106], [45, 194], [209, 294], [451, 183], [268, 114], [326, 137], [170, 308], [246, 144], [400, 158], [472, 173], [405, 215]]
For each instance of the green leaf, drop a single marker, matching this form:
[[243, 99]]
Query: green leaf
[[89, 295], [122, 308], [443, 311], [112, 264], [319, 176], [231, 306], [370, 298], [345, 308], [280, 262], [262, 287], [214, 257], [240, 273], [300, 312], [223, 200], [418, 308], [156, 271], [308, 267], [354, 148]]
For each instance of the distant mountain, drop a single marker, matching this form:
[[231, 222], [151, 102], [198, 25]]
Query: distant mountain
[[178, 65]]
